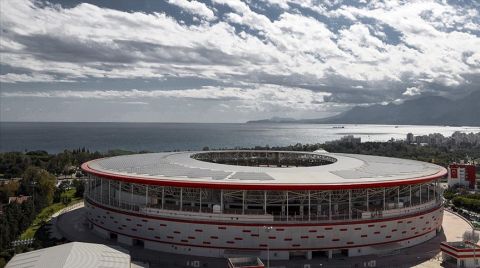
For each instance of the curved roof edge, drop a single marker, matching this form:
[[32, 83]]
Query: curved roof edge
[[256, 186]]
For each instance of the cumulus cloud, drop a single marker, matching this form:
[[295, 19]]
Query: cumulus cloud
[[255, 95], [412, 91], [17, 78], [194, 7], [368, 52]]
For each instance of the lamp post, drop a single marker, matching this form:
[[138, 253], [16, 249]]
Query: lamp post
[[267, 230]]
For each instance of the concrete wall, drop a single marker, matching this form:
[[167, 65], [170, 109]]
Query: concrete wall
[[215, 238]]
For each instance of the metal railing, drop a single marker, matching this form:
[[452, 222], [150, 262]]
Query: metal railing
[[317, 218]]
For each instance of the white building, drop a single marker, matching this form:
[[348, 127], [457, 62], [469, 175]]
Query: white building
[[73, 255], [463, 254]]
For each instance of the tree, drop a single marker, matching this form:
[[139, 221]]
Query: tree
[[40, 185], [62, 187], [471, 236], [7, 190], [79, 187]]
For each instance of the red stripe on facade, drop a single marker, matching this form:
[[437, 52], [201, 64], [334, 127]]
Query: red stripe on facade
[[261, 245], [460, 256], [443, 244]]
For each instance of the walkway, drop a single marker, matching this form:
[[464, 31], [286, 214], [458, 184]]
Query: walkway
[[454, 227]]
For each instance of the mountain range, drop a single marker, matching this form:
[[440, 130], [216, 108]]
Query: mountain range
[[427, 110]]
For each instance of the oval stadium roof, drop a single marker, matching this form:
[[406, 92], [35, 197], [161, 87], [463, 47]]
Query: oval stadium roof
[[349, 171]]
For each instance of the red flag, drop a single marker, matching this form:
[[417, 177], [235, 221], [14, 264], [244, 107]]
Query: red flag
[[453, 173]]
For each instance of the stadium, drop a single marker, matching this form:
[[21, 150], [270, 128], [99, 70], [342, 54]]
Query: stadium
[[272, 204]]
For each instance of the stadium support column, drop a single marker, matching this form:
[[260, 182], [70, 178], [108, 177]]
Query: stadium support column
[[384, 205], [398, 197], [101, 191], [428, 192], [243, 201], [163, 196], [330, 205], [308, 205], [350, 204], [200, 201], [435, 190], [420, 194], [94, 189], [109, 192], [367, 201], [146, 195], [287, 205], [131, 196], [221, 200], [265, 202], [181, 198], [120, 194], [410, 195]]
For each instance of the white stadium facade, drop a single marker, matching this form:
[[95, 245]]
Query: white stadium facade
[[281, 203]]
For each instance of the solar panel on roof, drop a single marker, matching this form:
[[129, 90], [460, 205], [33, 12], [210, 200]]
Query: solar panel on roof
[[348, 167]]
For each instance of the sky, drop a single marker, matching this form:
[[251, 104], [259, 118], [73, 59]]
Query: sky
[[229, 60]]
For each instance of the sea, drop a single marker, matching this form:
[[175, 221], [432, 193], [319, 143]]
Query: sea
[[157, 137]]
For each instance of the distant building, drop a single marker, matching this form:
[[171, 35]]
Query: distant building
[[18, 199], [7, 181], [350, 139], [75, 254], [462, 254], [410, 138], [461, 174]]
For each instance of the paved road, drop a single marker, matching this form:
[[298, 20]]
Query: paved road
[[73, 226], [454, 226]]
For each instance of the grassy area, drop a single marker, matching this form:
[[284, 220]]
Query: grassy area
[[47, 212]]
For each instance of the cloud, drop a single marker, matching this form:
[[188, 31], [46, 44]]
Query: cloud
[[352, 53], [17, 78], [412, 91], [83, 40], [255, 95], [281, 3], [194, 7]]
